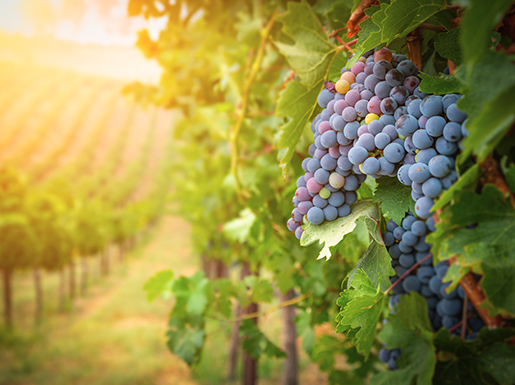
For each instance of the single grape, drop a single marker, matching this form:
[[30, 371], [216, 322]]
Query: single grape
[[357, 155], [337, 199], [336, 180], [381, 140], [348, 76], [414, 108], [315, 215], [431, 105], [351, 184], [351, 197], [302, 194], [388, 106], [374, 105], [406, 260], [352, 97], [328, 162], [411, 283], [423, 207], [407, 68], [321, 176], [432, 187], [440, 166], [366, 141], [422, 140], [383, 54], [297, 215], [342, 86], [319, 202], [388, 239], [425, 273], [454, 114], [344, 210], [406, 124], [409, 146], [371, 82], [325, 97], [358, 68], [387, 120], [411, 82], [382, 89], [292, 225], [339, 106], [394, 77], [370, 166], [452, 132], [393, 153], [298, 232], [349, 114], [451, 307], [328, 138], [313, 186], [304, 207], [444, 147], [417, 187], [338, 124], [381, 68], [330, 213], [449, 180], [390, 131], [399, 94], [449, 99], [403, 175], [424, 156], [385, 167], [419, 94], [409, 238]]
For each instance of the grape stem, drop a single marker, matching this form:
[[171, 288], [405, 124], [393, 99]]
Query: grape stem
[[346, 45], [455, 327], [358, 16], [432, 27], [408, 272]]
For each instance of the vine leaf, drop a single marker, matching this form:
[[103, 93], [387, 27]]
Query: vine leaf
[[297, 102], [361, 306], [440, 84], [395, 198], [394, 20], [239, 229], [410, 330], [157, 284], [331, 233], [488, 248], [376, 263], [447, 44], [256, 343], [475, 362], [479, 19], [312, 53]]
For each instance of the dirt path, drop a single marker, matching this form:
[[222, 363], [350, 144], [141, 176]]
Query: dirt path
[[113, 335]]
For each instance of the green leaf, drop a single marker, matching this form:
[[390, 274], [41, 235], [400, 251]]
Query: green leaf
[[311, 54], [510, 177], [466, 181], [487, 130], [475, 362], [256, 344], [238, 229], [376, 263], [447, 44], [297, 102], [410, 330], [488, 248], [361, 306], [157, 284], [393, 20], [186, 343], [331, 233], [479, 20], [395, 198], [440, 84]]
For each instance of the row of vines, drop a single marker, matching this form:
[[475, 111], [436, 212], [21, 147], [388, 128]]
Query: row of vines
[[75, 161], [246, 76]]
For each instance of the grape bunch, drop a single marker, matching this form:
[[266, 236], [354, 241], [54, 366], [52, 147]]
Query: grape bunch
[[407, 246], [354, 136]]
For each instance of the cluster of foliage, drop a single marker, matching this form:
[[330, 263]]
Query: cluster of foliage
[[247, 91], [55, 203]]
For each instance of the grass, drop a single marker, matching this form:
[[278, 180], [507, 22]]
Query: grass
[[113, 336]]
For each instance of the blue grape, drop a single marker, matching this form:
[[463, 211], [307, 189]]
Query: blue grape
[[408, 221], [388, 106], [328, 139], [325, 97], [424, 156], [432, 187], [403, 175], [406, 125], [431, 106], [386, 168], [292, 225], [351, 197], [409, 238], [351, 130], [414, 108], [381, 140], [297, 215], [451, 307], [417, 187], [398, 232], [422, 140], [394, 251], [419, 94], [382, 89], [338, 123], [419, 172], [344, 163], [416, 196], [337, 199], [409, 146], [452, 132], [393, 153], [449, 180], [371, 82], [411, 283], [351, 183], [298, 232], [321, 176], [330, 213], [315, 216], [449, 99], [319, 202], [361, 108], [375, 127], [366, 94], [399, 94], [394, 77], [357, 155], [424, 274], [391, 225], [301, 182], [407, 68], [445, 147], [440, 166], [312, 149], [328, 162], [304, 207], [423, 207], [434, 284], [381, 68], [454, 114], [409, 99], [406, 260], [390, 130], [344, 210], [388, 239], [387, 120], [384, 354], [367, 141], [305, 164], [419, 228], [349, 114], [370, 166]]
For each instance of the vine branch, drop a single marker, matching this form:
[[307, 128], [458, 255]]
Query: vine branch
[[244, 104]]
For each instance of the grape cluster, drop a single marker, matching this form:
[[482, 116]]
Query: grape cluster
[[407, 246], [354, 136]]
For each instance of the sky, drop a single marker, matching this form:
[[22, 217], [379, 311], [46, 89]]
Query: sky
[[103, 22]]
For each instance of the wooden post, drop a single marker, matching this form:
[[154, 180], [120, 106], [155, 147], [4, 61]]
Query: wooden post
[[38, 316], [8, 305], [250, 365], [71, 282], [84, 276], [62, 290], [290, 369]]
